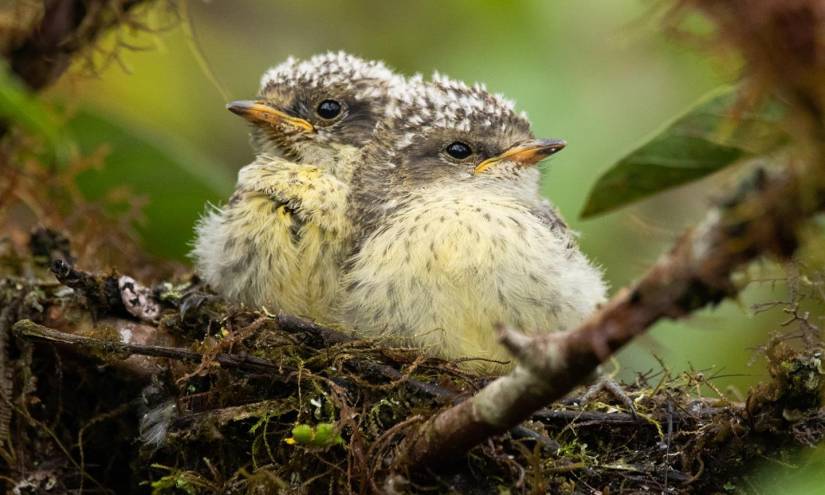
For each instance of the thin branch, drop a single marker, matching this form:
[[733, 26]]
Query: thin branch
[[32, 331]]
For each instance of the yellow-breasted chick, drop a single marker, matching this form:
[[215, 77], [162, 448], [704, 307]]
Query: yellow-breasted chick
[[280, 240], [453, 235]]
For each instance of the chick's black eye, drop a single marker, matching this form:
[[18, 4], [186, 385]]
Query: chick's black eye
[[458, 150], [329, 109]]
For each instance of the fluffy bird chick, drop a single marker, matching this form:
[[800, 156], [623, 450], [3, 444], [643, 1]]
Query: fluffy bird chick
[[453, 235], [281, 239]]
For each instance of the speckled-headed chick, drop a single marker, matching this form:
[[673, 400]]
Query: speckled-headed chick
[[452, 233], [280, 240]]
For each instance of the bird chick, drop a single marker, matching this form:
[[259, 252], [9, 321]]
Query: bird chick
[[453, 236], [280, 240]]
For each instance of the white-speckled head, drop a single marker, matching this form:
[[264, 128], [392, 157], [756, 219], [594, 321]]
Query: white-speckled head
[[309, 109], [449, 138], [444, 129], [329, 70]]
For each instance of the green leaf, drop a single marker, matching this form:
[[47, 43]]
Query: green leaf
[[322, 435], [176, 178], [709, 137], [302, 433], [18, 106]]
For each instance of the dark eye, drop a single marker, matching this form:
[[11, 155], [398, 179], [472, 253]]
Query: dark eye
[[329, 109], [458, 150]]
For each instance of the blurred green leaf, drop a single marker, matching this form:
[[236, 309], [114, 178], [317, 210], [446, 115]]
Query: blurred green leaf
[[18, 106], [802, 473], [176, 178], [707, 138]]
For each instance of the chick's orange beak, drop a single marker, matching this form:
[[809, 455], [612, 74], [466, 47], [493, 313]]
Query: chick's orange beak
[[259, 112], [525, 154]]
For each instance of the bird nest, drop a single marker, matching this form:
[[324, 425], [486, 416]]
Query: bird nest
[[243, 401]]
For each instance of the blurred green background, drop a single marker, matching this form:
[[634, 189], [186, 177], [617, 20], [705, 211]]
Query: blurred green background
[[599, 73]]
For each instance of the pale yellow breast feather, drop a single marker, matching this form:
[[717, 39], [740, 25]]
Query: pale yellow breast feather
[[449, 266], [280, 241]]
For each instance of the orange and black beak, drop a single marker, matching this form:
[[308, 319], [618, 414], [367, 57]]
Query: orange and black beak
[[524, 154], [259, 112]]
